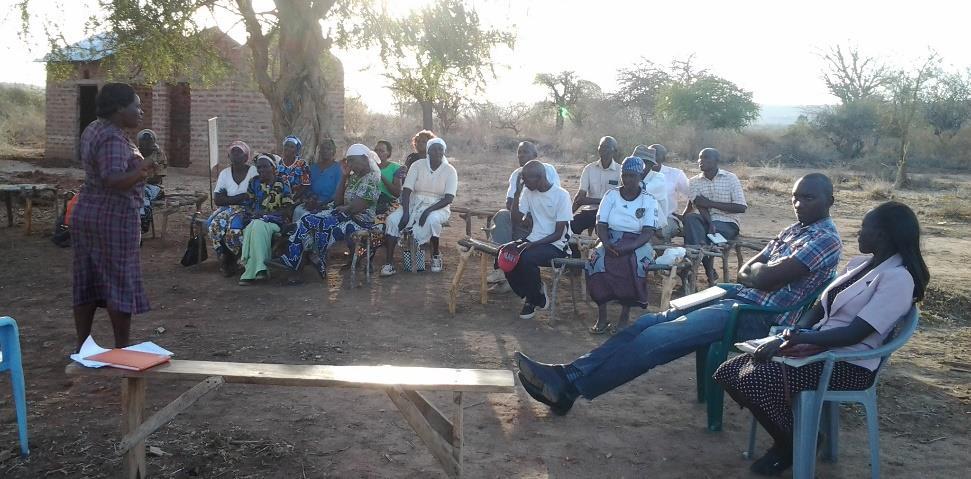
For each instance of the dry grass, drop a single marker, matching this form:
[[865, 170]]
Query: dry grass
[[954, 208]]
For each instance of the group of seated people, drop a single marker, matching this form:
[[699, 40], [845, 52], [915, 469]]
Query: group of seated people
[[314, 205], [628, 205]]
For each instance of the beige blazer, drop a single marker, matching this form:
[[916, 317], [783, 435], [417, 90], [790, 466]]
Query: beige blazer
[[880, 298]]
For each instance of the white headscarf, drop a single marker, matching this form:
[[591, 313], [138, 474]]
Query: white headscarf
[[358, 149], [440, 142]]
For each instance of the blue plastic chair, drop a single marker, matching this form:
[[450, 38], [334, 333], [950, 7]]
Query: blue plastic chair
[[821, 405], [10, 361]]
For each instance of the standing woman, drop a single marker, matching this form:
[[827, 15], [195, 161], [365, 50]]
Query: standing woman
[[626, 221], [105, 231]]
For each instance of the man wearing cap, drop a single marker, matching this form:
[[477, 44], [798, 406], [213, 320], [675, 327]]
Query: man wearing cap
[[677, 188], [717, 196], [653, 182], [503, 231], [595, 180], [546, 208]]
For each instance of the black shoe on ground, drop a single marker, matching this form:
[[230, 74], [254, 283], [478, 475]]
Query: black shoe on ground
[[528, 311], [775, 461]]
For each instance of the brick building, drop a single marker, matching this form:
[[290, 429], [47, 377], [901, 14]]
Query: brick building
[[179, 111]]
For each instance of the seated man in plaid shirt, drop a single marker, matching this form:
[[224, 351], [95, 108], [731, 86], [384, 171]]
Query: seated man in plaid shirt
[[793, 265], [717, 196]]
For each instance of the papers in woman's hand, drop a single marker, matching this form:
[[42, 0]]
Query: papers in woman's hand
[[751, 345], [717, 238]]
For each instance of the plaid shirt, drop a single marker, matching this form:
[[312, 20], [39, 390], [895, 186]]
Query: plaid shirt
[[817, 246], [724, 188], [105, 151]]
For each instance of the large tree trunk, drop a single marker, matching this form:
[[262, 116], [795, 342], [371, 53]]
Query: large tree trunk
[[297, 96], [427, 122]]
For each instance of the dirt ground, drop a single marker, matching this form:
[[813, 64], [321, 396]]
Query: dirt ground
[[651, 427]]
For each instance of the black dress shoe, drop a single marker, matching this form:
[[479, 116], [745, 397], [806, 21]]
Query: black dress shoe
[[775, 461], [549, 381], [558, 408]]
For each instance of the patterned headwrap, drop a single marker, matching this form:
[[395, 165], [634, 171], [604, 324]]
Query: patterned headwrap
[[242, 146], [271, 158], [292, 139], [633, 164]]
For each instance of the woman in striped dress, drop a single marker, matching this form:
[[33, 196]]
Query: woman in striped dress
[[105, 232]]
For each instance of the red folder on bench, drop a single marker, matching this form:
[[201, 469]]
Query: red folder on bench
[[131, 360]]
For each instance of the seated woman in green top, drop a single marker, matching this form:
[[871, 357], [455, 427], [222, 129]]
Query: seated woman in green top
[[355, 201], [392, 176]]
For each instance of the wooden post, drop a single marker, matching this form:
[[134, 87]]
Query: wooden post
[[7, 200], [483, 283], [667, 286], [457, 439], [132, 411], [453, 293], [29, 211]]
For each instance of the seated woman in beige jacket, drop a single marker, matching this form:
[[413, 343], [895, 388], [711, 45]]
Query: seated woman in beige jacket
[[856, 312]]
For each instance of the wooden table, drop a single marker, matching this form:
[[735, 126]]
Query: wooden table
[[443, 437], [28, 192]]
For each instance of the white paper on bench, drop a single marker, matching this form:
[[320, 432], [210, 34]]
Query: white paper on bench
[[90, 348]]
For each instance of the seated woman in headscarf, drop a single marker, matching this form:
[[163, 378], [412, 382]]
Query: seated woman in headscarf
[[292, 169], [270, 206], [856, 313], [354, 204], [148, 147], [226, 223], [429, 188], [617, 271]]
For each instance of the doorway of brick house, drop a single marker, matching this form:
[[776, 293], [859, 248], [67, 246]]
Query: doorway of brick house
[[87, 109], [180, 109]]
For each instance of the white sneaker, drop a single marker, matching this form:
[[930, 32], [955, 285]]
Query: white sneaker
[[388, 270], [438, 264], [496, 276]]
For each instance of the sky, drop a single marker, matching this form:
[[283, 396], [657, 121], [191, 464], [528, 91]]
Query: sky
[[771, 48]]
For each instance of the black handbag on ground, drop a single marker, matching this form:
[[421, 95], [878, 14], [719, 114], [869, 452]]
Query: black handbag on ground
[[195, 248]]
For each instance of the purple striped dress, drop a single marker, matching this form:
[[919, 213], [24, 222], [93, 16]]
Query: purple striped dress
[[105, 232]]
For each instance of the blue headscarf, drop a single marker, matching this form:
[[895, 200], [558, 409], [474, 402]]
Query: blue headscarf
[[296, 143], [633, 164]]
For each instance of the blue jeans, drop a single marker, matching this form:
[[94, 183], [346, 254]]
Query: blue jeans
[[659, 338]]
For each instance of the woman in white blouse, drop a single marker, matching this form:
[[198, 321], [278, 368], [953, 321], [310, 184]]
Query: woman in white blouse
[[226, 223], [617, 271]]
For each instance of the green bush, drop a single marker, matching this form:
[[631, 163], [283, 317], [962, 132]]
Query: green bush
[[21, 116]]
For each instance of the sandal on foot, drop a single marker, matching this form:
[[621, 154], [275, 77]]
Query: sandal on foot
[[598, 331]]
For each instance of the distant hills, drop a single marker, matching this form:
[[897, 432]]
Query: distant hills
[[782, 115]]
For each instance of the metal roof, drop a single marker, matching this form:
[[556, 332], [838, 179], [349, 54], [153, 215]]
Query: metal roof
[[93, 48]]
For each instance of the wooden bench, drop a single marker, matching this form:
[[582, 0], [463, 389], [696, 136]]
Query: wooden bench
[[173, 203], [28, 192], [443, 437], [736, 244], [467, 214]]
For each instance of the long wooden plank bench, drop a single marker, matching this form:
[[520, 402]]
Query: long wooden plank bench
[[173, 203], [442, 436], [28, 192]]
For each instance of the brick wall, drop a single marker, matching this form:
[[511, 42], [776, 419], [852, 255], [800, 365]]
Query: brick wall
[[243, 111]]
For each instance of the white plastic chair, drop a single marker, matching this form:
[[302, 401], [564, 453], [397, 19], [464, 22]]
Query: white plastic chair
[[810, 408]]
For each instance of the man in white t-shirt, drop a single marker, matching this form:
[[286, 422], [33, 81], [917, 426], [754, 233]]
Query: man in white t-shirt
[[596, 179], [547, 208], [503, 232], [426, 194], [678, 191], [653, 182]]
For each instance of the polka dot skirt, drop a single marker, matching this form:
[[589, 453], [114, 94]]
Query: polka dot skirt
[[767, 388]]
